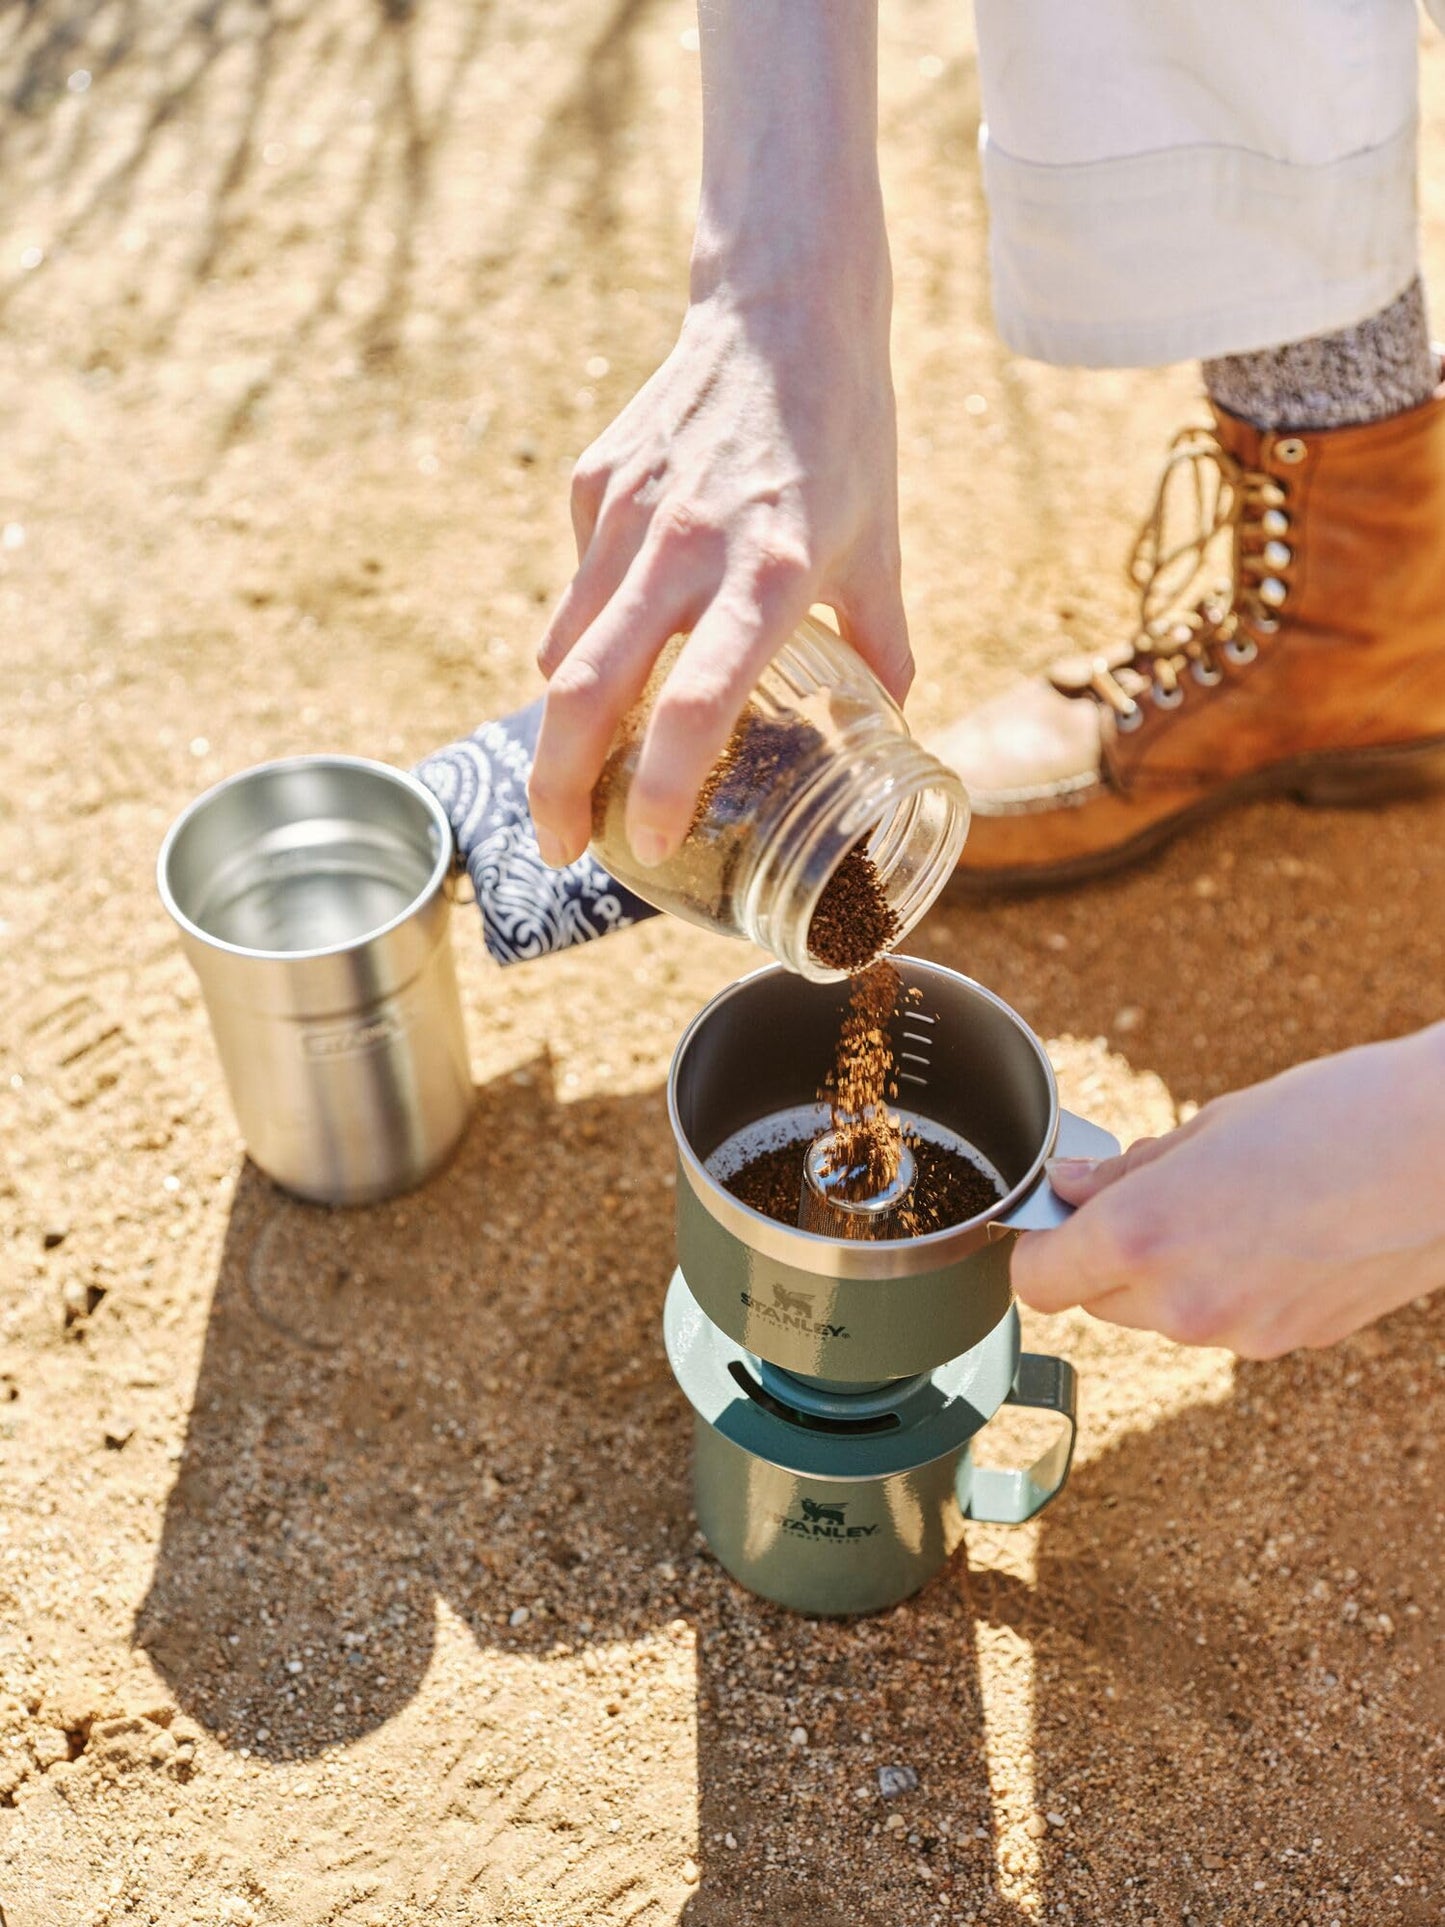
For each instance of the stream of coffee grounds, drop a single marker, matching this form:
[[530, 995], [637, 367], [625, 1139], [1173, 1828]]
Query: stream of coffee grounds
[[867, 1133]]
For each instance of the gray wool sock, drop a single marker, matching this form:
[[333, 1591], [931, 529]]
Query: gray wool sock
[[1377, 368]]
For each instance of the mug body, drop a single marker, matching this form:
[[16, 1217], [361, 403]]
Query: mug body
[[846, 1310], [827, 1547], [825, 1499], [311, 899]]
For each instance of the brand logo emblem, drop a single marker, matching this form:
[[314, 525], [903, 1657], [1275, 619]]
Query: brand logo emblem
[[791, 1311], [342, 1039], [819, 1521], [785, 1300]]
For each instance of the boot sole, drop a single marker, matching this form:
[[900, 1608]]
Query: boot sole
[[1332, 779]]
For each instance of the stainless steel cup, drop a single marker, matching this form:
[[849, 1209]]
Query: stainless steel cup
[[311, 897]]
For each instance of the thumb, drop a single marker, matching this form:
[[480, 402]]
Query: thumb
[[1076, 1180]]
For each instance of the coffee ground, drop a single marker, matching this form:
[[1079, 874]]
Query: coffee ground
[[762, 762], [866, 1136], [854, 921], [948, 1189], [699, 880]]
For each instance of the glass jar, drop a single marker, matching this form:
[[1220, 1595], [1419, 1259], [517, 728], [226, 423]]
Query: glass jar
[[823, 832]]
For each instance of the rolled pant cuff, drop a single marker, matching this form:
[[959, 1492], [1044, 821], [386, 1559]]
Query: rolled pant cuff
[[1195, 251]]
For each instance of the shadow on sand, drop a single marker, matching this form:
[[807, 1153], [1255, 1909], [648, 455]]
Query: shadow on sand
[[461, 1397], [354, 1455]]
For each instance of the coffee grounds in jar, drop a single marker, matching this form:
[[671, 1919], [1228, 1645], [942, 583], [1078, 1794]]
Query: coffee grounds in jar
[[700, 879], [948, 1187], [854, 921]]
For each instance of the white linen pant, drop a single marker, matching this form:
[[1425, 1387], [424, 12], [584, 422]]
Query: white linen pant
[[1169, 180]]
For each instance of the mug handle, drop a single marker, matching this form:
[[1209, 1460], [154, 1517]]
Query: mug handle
[[1008, 1495]]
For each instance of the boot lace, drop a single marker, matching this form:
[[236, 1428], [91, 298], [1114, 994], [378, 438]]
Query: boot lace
[[1206, 501]]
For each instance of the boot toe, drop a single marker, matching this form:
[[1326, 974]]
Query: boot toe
[[1028, 749]]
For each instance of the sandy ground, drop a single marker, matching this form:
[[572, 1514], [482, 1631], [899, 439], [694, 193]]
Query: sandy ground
[[304, 312]]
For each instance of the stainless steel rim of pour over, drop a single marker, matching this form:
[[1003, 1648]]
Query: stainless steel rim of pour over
[[312, 902], [856, 1311]]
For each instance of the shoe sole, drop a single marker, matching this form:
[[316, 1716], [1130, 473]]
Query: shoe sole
[[1331, 779]]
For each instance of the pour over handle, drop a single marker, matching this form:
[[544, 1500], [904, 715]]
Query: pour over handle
[[1008, 1495], [1043, 1209]]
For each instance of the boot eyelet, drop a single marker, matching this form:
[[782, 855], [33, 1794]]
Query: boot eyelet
[[1128, 719], [1272, 592], [1241, 650], [1206, 675], [1291, 450], [1167, 698], [1278, 555], [1265, 626], [1274, 522], [1273, 496]]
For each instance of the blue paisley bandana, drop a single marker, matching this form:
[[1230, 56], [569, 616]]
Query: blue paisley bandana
[[527, 910]]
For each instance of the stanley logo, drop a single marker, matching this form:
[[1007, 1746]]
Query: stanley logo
[[824, 1522], [791, 1311], [344, 1039]]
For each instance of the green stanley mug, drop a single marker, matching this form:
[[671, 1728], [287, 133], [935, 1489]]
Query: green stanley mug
[[836, 1385]]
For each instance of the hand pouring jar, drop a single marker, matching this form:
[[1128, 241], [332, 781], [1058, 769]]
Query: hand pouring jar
[[836, 1383], [312, 901]]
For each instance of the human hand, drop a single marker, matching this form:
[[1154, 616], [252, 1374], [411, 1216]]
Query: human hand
[[1288, 1214], [756, 472], [753, 475]]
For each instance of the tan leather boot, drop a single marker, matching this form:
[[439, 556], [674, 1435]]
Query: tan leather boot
[[1317, 671]]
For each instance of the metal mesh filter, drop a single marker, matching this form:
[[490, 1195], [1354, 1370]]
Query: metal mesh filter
[[829, 1205]]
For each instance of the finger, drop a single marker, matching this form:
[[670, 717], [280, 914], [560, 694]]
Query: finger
[[1098, 1250], [1133, 1305], [872, 621], [1184, 1315], [1076, 1180], [582, 602], [1126, 1305], [588, 696], [598, 577], [697, 707], [1044, 1273], [589, 489]]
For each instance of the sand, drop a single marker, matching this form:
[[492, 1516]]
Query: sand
[[347, 1570]]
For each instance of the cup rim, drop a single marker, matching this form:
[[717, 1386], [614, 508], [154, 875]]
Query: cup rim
[[403, 779], [862, 1259]]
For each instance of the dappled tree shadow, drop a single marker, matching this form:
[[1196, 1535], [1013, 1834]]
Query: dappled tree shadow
[[301, 149]]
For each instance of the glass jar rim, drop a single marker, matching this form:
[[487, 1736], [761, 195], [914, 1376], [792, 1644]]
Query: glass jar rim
[[834, 812]]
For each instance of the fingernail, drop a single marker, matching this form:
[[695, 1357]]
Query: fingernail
[[1071, 1167], [649, 847], [554, 854]]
